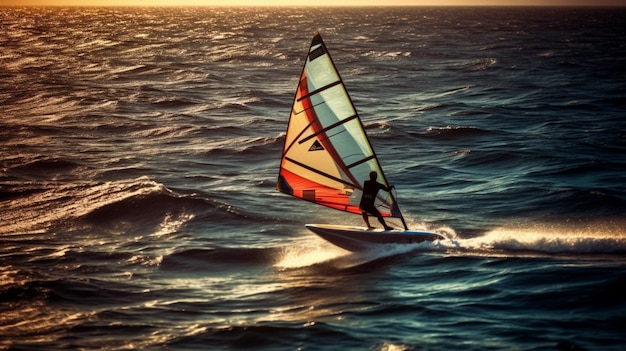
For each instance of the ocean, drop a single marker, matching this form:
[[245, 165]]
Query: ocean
[[140, 151]]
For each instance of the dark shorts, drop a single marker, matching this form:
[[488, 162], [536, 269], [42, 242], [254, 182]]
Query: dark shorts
[[371, 209]]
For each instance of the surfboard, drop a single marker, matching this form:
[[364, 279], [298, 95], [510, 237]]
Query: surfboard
[[356, 239]]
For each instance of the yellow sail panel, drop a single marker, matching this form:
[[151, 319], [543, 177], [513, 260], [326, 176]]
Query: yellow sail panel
[[327, 155]]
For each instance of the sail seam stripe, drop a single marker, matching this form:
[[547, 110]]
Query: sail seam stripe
[[317, 91], [308, 108], [361, 161], [321, 173], [334, 125]]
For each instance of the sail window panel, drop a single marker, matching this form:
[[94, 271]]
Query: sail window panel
[[335, 106], [355, 129], [362, 170], [351, 150], [320, 73], [353, 141]]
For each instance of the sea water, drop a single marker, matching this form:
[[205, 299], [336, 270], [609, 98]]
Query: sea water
[[140, 150]]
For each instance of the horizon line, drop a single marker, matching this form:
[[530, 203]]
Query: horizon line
[[321, 6]]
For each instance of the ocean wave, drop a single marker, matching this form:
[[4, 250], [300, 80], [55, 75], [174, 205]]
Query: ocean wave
[[583, 240], [237, 103], [45, 165], [386, 54], [40, 206], [168, 133], [173, 103], [589, 202], [246, 146], [34, 320], [271, 335], [488, 160], [191, 260], [456, 132], [155, 213]]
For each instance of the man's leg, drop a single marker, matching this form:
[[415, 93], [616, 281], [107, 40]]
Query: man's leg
[[374, 211], [366, 219], [382, 221]]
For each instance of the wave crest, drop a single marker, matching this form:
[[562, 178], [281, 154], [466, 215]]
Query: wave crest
[[38, 207]]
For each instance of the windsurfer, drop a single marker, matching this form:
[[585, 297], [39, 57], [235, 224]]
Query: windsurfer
[[370, 190]]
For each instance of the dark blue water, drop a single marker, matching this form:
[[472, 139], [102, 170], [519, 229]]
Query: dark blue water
[[140, 149]]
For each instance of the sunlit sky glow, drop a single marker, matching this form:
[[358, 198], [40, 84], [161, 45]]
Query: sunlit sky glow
[[316, 3]]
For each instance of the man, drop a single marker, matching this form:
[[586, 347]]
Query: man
[[370, 190]]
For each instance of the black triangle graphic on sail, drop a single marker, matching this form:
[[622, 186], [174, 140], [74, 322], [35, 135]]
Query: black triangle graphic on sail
[[317, 146]]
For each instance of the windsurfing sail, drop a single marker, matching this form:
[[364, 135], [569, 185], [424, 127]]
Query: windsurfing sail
[[327, 155]]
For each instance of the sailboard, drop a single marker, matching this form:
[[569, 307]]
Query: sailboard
[[327, 156]]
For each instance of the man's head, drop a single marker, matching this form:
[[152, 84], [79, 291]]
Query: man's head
[[373, 175]]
